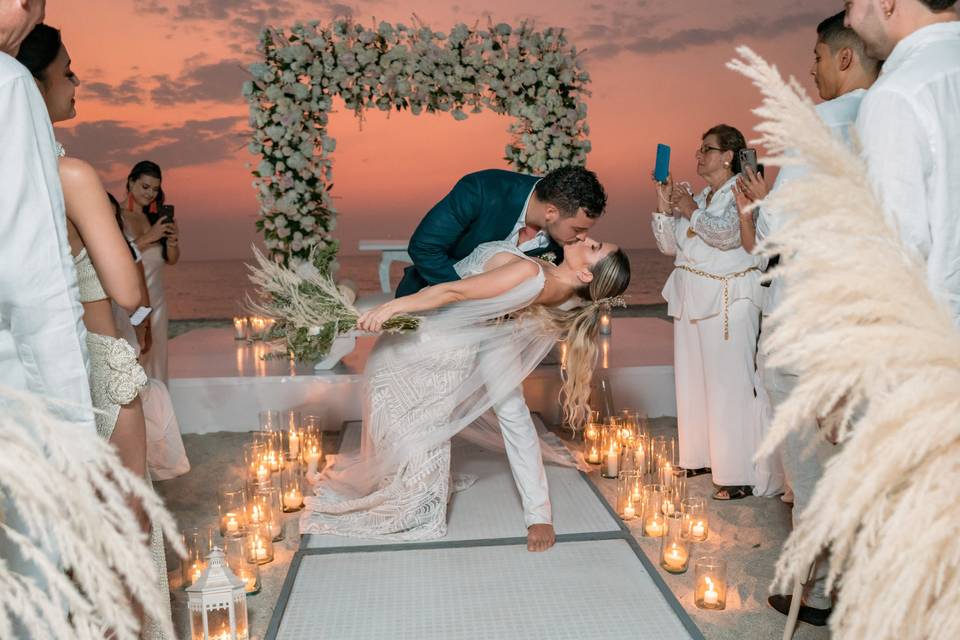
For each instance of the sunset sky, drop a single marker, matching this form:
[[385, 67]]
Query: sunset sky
[[161, 80]]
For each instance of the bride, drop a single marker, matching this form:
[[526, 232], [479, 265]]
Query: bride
[[481, 336]]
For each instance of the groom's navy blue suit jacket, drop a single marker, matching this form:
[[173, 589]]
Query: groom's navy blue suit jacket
[[482, 207]]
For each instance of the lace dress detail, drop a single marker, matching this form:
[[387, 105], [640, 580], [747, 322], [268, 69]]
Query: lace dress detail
[[407, 397], [116, 379]]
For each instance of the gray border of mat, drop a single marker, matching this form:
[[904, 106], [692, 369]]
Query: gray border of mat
[[624, 534]]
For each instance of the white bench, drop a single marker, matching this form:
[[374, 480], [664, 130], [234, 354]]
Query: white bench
[[390, 251]]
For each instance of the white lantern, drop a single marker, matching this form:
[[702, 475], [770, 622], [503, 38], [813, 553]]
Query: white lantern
[[218, 603]]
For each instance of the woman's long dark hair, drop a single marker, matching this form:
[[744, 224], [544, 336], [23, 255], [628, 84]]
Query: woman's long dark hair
[[152, 210], [39, 49]]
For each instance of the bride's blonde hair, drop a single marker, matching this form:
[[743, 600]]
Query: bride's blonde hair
[[579, 328]]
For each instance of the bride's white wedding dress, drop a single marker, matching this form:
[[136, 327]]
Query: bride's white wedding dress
[[420, 389]]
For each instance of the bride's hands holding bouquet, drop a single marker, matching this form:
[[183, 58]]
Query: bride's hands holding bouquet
[[374, 319]]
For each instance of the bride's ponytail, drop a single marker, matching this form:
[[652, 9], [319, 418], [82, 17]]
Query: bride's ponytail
[[578, 328]]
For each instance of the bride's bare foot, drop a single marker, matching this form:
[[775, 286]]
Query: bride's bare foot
[[540, 537]]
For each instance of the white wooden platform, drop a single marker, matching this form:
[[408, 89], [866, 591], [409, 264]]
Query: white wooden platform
[[219, 384]]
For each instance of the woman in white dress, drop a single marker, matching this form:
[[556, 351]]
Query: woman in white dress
[[422, 388], [105, 273], [714, 297], [157, 239]]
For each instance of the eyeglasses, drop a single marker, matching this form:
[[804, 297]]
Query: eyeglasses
[[704, 150]]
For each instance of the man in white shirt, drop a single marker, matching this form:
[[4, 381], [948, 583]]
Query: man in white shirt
[[42, 338], [843, 72], [910, 128]]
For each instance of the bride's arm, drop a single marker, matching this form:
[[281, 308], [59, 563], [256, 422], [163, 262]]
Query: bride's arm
[[481, 286]]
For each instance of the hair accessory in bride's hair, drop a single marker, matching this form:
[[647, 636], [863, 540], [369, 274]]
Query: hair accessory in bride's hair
[[615, 301]]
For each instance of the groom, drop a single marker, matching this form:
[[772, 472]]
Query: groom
[[540, 215]]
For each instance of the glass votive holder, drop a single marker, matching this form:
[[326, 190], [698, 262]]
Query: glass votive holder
[[710, 591], [290, 419], [654, 522], [591, 441], [606, 321], [270, 420], [630, 495], [312, 426], [674, 550], [232, 508], [240, 564], [291, 488], [257, 326], [275, 521], [696, 525], [675, 492], [198, 542], [259, 545], [312, 455], [663, 453], [240, 328], [610, 452]]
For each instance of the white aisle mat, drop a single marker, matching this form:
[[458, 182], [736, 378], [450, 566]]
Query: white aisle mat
[[491, 509], [589, 589]]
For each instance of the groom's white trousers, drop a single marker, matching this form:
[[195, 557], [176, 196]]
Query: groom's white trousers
[[520, 440]]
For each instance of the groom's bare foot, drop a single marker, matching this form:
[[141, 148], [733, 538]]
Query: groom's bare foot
[[540, 537]]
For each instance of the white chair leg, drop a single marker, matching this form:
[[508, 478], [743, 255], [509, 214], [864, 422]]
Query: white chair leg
[[795, 602]]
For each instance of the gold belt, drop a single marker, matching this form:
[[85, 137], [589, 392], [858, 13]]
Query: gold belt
[[726, 290]]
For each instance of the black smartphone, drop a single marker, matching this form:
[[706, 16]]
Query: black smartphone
[[166, 212], [748, 158]]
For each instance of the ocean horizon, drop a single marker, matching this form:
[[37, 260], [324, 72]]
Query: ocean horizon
[[216, 289]]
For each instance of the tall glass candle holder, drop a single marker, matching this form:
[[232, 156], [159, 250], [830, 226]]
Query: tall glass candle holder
[[630, 495], [675, 492], [274, 521], [232, 508], [654, 522], [241, 565], [696, 525], [674, 550], [240, 330], [591, 442], [710, 591], [270, 420], [198, 542], [291, 419], [259, 545], [291, 487], [610, 451]]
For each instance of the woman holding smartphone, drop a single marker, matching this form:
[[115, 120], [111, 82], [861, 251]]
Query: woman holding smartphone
[[714, 296], [152, 227]]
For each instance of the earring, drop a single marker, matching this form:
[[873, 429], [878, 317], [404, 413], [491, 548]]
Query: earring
[[726, 164]]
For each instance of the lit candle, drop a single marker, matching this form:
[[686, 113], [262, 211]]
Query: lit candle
[[654, 528], [675, 557], [196, 573], [232, 524], [239, 328], [249, 580], [629, 512], [313, 459], [605, 324], [594, 456], [698, 531], [710, 597], [294, 443], [263, 474], [276, 528], [273, 460], [636, 494], [261, 551], [292, 499], [613, 462], [591, 433], [668, 508], [255, 514]]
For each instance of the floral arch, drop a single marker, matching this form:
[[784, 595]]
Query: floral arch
[[533, 76]]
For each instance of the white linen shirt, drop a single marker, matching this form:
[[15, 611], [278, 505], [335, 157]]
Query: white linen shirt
[[42, 337], [539, 241], [840, 114], [909, 126], [714, 248]]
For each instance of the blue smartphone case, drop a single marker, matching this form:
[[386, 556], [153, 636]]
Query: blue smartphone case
[[662, 168]]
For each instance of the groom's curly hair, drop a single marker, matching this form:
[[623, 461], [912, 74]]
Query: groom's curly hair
[[570, 189]]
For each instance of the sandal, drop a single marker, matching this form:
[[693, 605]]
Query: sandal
[[692, 473], [735, 492]]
